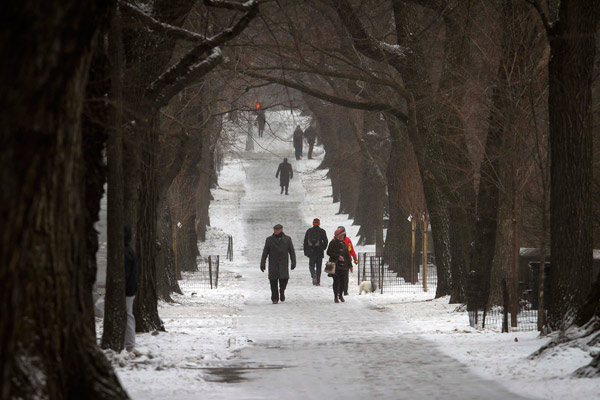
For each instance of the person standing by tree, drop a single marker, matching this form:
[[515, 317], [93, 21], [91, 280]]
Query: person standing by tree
[[311, 135], [352, 253], [315, 243], [277, 247], [298, 142], [285, 173], [131, 288], [338, 253]]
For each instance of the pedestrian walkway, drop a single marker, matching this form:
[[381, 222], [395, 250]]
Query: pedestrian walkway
[[311, 348]]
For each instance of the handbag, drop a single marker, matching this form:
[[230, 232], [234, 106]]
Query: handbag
[[329, 267]]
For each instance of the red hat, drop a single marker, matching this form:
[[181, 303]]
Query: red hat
[[316, 221], [338, 232]]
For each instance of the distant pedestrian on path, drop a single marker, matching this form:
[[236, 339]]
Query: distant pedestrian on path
[[261, 120], [338, 253], [298, 142], [352, 253], [277, 247], [315, 243], [285, 173], [311, 135], [131, 288]]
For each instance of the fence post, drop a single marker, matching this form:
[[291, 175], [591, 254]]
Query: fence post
[[413, 278], [364, 266], [230, 248], [425, 223], [359, 265], [210, 270], [217, 276], [506, 305], [381, 267]]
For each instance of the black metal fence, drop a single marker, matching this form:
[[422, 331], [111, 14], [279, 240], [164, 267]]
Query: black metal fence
[[205, 277], [500, 318], [399, 276]]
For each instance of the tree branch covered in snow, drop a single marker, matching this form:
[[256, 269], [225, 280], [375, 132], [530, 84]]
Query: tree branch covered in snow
[[365, 43], [171, 31], [232, 5], [193, 73], [192, 65]]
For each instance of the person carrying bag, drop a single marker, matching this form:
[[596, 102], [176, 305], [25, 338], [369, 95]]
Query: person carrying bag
[[338, 254]]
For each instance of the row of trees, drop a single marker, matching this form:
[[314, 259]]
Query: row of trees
[[107, 91], [488, 104], [449, 108]]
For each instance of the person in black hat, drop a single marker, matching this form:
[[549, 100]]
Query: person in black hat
[[315, 243], [277, 247]]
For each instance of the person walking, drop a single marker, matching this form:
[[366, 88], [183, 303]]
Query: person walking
[[298, 142], [352, 253], [285, 173], [261, 120], [315, 243], [131, 288], [277, 247], [338, 253], [311, 135]]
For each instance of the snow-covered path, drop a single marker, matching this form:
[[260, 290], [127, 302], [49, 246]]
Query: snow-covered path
[[311, 348], [232, 343]]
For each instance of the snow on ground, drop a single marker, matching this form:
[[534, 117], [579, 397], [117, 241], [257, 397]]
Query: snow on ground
[[231, 342]]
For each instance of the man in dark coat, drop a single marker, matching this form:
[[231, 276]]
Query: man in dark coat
[[285, 173], [311, 135], [131, 288], [277, 247], [261, 120], [298, 142], [315, 243]]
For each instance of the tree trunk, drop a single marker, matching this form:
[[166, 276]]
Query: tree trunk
[[47, 343], [398, 241], [115, 314], [146, 301], [572, 52]]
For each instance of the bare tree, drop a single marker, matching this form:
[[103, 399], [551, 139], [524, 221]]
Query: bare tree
[[48, 344]]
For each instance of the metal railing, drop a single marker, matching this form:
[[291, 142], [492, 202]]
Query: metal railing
[[205, 277], [398, 276], [500, 318]]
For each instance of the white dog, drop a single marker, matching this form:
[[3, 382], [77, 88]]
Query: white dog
[[367, 287]]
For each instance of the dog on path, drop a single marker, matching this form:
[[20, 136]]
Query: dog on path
[[367, 287]]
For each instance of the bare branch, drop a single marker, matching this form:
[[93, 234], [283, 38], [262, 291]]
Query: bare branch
[[191, 65], [169, 30], [365, 43], [231, 5], [548, 26], [194, 72], [361, 105]]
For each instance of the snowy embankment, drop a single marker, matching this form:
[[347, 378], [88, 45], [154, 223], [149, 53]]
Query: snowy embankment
[[201, 328]]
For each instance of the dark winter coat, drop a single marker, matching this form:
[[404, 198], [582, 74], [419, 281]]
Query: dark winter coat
[[277, 247], [311, 250], [310, 134], [131, 274], [285, 173], [298, 138], [336, 249], [261, 119]]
